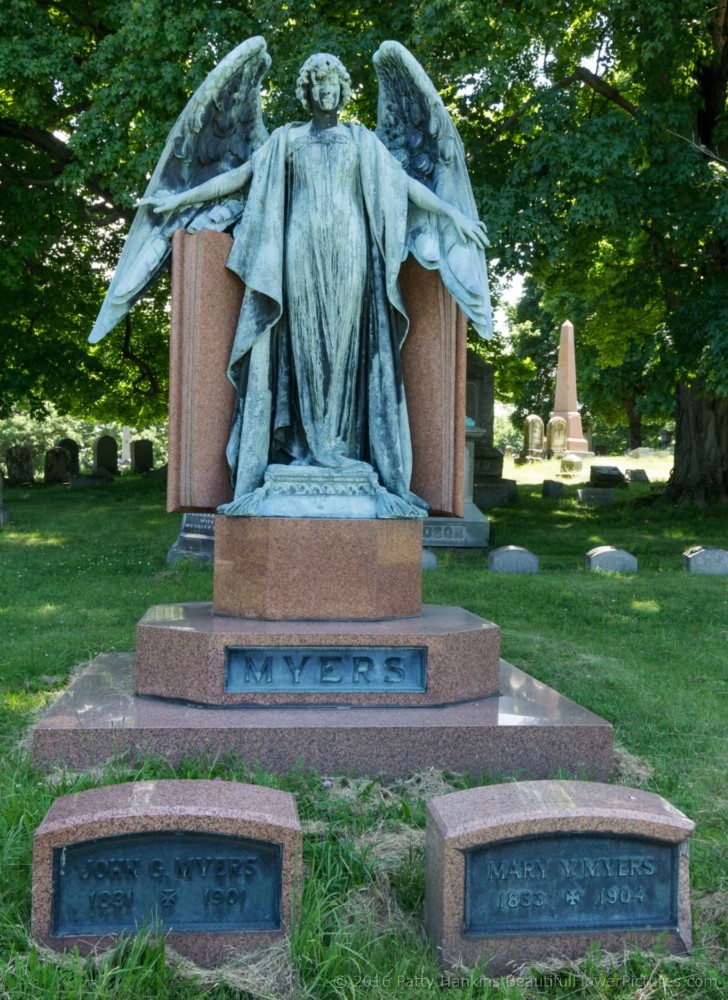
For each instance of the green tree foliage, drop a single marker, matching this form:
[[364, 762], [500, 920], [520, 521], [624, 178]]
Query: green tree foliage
[[597, 147]]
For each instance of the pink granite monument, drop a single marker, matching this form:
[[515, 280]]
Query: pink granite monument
[[337, 309], [570, 438]]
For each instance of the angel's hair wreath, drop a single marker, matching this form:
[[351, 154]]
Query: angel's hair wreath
[[317, 64]]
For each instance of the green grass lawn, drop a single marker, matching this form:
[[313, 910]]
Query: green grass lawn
[[647, 652]]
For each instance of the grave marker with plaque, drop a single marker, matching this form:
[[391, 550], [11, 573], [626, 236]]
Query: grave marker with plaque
[[526, 872], [211, 864]]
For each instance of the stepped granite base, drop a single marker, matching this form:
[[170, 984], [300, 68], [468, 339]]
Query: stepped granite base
[[528, 729]]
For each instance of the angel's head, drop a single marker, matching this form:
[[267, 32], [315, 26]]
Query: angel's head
[[326, 74]]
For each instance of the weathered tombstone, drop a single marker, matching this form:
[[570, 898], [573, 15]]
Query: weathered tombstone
[[19, 465], [556, 437], [106, 454], [4, 512], [596, 498], [196, 539], [533, 437], [512, 559], [551, 490], [57, 466], [72, 448], [607, 476], [211, 864], [706, 559], [531, 871], [142, 456], [608, 559]]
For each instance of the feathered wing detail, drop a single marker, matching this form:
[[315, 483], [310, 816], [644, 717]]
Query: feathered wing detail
[[220, 129], [414, 125]]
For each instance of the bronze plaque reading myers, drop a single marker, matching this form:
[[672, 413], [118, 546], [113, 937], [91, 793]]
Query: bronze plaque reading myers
[[185, 881], [326, 669], [570, 882]]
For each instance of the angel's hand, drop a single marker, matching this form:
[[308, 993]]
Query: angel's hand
[[163, 204], [471, 229]]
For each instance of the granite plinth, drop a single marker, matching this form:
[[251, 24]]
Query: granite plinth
[[528, 728], [622, 827], [100, 895], [187, 652], [317, 569]]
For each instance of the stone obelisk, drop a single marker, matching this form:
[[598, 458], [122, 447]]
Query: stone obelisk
[[565, 407]]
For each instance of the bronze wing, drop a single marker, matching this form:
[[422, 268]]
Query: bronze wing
[[414, 125], [220, 128]]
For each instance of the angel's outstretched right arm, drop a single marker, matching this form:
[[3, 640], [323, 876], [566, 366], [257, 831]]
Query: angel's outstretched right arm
[[217, 187]]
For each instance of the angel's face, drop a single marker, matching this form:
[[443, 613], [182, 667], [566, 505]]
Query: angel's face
[[325, 89]]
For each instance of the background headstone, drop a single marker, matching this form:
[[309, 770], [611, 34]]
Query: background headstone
[[556, 436], [19, 465], [565, 400], [551, 490], [533, 443], [57, 466], [596, 498], [216, 863], [607, 476], [571, 465], [106, 454], [429, 560], [196, 539], [637, 476], [142, 456], [608, 559], [512, 559], [72, 448], [706, 559], [532, 871], [4, 512]]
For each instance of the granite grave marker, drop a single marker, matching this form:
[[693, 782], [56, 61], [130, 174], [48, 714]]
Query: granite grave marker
[[211, 864], [537, 870]]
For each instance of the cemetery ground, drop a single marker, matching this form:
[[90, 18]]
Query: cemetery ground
[[647, 652]]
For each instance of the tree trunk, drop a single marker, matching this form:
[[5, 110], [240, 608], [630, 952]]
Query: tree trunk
[[700, 473], [634, 424]]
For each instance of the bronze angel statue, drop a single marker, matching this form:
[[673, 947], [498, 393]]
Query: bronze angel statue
[[322, 213]]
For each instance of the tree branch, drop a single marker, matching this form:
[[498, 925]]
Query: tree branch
[[583, 75], [12, 129], [601, 86]]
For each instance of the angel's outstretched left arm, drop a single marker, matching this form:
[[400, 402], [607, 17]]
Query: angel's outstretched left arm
[[469, 229]]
